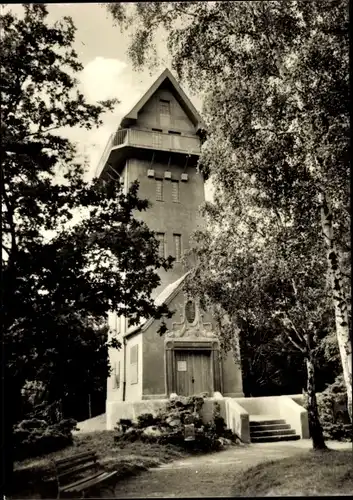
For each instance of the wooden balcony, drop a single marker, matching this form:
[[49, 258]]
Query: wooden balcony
[[123, 140]]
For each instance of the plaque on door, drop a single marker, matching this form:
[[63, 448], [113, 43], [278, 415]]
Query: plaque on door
[[181, 366]]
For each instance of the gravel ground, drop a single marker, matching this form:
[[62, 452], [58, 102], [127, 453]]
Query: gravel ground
[[208, 475]]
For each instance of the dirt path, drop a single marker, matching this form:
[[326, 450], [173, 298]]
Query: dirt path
[[208, 475]]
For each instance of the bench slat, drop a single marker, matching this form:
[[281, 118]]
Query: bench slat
[[62, 468], [78, 456], [76, 485], [68, 468], [94, 480], [77, 468]]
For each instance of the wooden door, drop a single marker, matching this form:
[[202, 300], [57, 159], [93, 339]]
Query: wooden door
[[201, 361], [193, 372]]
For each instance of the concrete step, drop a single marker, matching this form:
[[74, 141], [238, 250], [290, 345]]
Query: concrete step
[[274, 438], [268, 427], [279, 432], [254, 423], [264, 416]]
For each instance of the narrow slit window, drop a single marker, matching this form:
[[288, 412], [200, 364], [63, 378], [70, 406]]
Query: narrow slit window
[[177, 247], [175, 191], [161, 248], [117, 375], [159, 190]]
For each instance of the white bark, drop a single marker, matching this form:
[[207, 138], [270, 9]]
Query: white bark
[[339, 299]]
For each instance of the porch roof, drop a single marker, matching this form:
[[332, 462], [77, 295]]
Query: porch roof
[[164, 297]]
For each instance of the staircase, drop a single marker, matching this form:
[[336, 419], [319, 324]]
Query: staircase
[[267, 428]]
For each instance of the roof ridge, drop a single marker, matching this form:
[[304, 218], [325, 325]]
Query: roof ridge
[[185, 101]]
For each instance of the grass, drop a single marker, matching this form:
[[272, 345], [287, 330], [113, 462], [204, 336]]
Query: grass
[[125, 458], [313, 473]]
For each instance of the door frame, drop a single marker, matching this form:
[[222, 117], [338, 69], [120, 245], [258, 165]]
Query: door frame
[[172, 345]]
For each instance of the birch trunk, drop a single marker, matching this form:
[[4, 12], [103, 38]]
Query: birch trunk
[[339, 299], [313, 414]]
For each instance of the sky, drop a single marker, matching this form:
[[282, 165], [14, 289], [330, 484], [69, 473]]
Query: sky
[[107, 71]]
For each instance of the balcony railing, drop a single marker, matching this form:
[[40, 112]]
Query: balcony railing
[[151, 140]]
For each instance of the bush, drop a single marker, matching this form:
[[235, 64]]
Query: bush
[[35, 437], [333, 412], [167, 427], [145, 420]]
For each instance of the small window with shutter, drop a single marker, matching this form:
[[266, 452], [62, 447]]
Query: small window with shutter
[[159, 190], [177, 247], [161, 249], [134, 364], [175, 191]]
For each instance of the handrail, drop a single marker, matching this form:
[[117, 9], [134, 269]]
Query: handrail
[[149, 139], [104, 156]]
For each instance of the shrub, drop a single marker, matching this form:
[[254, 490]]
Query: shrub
[[35, 437], [332, 405], [145, 420], [167, 427]]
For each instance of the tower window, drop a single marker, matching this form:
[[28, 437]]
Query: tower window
[[177, 247], [164, 113], [161, 248], [164, 107], [175, 191], [159, 190], [134, 364]]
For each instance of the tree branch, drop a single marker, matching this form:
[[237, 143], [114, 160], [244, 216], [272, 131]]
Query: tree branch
[[296, 344], [41, 131], [300, 338]]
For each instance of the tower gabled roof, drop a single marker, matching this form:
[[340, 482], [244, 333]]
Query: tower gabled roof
[[182, 98]]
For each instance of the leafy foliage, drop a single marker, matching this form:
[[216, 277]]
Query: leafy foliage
[[332, 403], [36, 437]]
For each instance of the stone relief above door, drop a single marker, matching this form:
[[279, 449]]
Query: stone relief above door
[[191, 324]]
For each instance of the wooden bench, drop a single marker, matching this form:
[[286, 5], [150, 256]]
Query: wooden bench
[[78, 473]]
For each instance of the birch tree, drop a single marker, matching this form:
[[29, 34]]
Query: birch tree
[[258, 271]]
